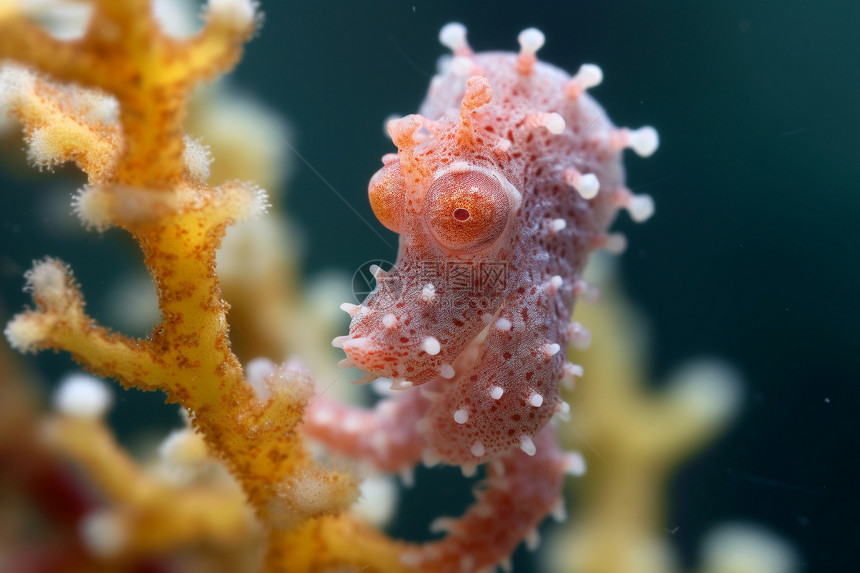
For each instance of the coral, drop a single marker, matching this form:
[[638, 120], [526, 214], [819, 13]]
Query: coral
[[147, 177]]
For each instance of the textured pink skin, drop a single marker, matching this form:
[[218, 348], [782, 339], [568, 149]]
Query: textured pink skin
[[493, 334], [534, 164]]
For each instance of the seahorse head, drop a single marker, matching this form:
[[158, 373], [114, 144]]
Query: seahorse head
[[447, 194]]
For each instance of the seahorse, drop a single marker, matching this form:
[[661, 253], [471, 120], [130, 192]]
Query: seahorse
[[501, 186]]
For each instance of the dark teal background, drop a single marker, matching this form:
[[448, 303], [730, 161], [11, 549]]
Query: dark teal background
[[752, 255]]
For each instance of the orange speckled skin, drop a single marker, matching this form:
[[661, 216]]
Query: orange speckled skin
[[476, 150]]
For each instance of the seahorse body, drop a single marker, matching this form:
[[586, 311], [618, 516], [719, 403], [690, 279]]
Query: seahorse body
[[494, 192]]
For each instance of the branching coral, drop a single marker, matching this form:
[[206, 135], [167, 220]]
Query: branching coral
[[147, 177]]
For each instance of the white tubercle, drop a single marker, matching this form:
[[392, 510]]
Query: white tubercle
[[446, 371], [461, 66], [557, 225], [551, 349], [390, 321], [580, 337], [350, 309], [643, 141], [453, 36], [469, 470], [533, 540], [574, 464], [531, 40], [588, 76], [503, 324], [339, 341], [553, 122], [527, 445], [496, 392], [640, 207], [377, 272], [461, 416], [616, 243], [400, 385], [82, 396], [536, 400], [430, 345], [478, 450], [563, 411], [555, 283], [443, 524], [587, 184], [428, 293]]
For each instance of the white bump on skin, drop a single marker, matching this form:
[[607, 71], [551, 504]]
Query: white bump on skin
[[588, 76], [339, 341], [555, 283], [477, 449], [551, 349], [447, 371], [461, 416], [503, 324], [557, 225], [431, 346], [350, 309], [643, 141], [640, 207], [453, 36], [527, 445], [400, 384], [536, 400], [428, 293], [587, 185], [390, 321], [496, 392], [531, 40], [574, 464], [377, 272]]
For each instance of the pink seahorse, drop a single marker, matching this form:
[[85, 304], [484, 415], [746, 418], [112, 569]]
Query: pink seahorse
[[500, 188]]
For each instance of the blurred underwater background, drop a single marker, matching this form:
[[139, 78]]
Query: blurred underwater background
[[752, 257]]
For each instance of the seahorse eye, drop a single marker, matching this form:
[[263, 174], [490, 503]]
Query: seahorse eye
[[387, 197], [466, 211]]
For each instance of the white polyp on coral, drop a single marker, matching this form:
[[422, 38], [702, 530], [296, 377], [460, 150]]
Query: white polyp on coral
[[197, 158], [48, 282], [746, 548], [708, 388], [236, 14], [92, 205], [377, 500], [64, 20], [176, 18], [82, 396], [104, 533], [183, 452], [256, 372]]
